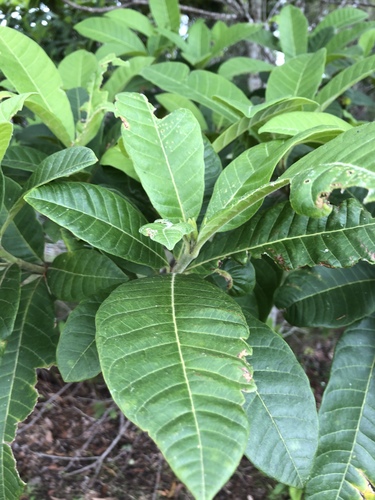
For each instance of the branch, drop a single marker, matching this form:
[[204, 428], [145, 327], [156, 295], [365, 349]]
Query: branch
[[183, 8]]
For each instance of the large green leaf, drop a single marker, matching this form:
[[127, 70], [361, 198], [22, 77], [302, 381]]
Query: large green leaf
[[29, 69], [244, 175], [23, 158], [282, 412], [166, 13], [199, 85], [61, 164], [74, 276], [328, 297], [169, 347], [110, 30], [338, 240], [301, 76], [340, 18], [132, 19], [77, 69], [293, 31], [344, 37], [344, 162], [31, 345], [10, 289], [167, 156], [102, 218], [345, 462], [243, 65], [344, 80], [77, 356], [294, 122], [24, 237]]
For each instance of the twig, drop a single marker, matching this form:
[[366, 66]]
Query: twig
[[44, 409], [183, 8], [98, 463], [157, 479], [59, 457]]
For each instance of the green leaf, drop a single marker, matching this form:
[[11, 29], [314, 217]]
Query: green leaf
[[340, 18], [29, 69], [367, 42], [294, 122], [344, 80], [293, 31], [300, 77], [186, 395], [238, 279], [100, 217], [132, 19], [338, 240], [77, 356], [121, 76], [77, 69], [344, 162], [344, 37], [224, 36], [116, 157], [108, 30], [32, 345], [197, 50], [243, 65], [10, 290], [345, 462], [167, 156], [283, 436], [165, 232], [239, 180], [199, 85], [328, 297], [23, 158], [268, 278], [231, 133], [166, 13], [61, 164], [74, 276], [6, 132], [24, 237], [172, 102]]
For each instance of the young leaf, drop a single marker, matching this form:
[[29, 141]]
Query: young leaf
[[167, 156], [344, 80], [74, 276], [109, 30], [328, 297], [10, 289], [186, 395], [166, 13], [29, 69], [77, 356], [344, 162], [291, 429], [291, 240], [293, 31], [61, 164], [345, 462], [165, 232], [32, 345], [300, 77], [102, 218]]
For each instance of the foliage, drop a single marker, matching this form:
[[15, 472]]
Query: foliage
[[187, 211]]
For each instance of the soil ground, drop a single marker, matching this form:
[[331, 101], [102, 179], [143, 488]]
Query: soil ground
[[76, 445]]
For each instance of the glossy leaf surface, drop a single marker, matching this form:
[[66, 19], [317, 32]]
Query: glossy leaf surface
[[32, 345], [186, 394], [345, 462], [102, 218], [77, 356], [283, 437], [328, 297], [74, 276]]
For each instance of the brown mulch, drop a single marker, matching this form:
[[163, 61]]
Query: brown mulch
[[76, 445]]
